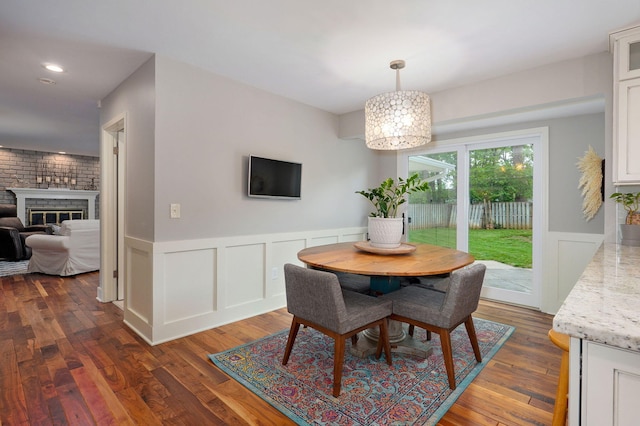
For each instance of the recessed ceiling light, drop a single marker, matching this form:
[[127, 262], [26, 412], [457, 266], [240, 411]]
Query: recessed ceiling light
[[45, 80], [54, 67]]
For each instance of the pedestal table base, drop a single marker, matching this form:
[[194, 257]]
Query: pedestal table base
[[400, 341]]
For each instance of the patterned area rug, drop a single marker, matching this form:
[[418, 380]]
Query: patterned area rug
[[13, 268], [413, 391]]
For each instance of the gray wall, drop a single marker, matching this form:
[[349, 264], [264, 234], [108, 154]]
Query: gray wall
[[501, 98], [540, 90], [543, 86], [569, 139], [545, 91], [136, 98], [190, 133], [208, 125]]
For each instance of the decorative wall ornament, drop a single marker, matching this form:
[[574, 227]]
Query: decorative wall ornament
[[592, 168], [50, 174]]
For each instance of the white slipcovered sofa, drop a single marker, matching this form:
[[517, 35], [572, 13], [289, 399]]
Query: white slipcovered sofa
[[73, 249]]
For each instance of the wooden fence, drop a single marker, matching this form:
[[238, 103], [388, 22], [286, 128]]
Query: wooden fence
[[515, 215]]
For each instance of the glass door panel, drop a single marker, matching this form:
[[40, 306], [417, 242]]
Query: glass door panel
[[482, 201], [500, 218], [433, 215]]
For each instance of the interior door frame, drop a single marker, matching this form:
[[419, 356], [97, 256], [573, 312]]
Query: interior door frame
[[112, 196], [540, 137]]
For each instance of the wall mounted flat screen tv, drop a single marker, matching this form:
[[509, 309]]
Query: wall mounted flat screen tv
[[270, 178]]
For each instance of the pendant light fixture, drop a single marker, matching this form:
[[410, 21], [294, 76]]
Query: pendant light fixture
[[398, 120]]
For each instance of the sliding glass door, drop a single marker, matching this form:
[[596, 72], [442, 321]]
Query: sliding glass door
[[484, 193], [433, 215]]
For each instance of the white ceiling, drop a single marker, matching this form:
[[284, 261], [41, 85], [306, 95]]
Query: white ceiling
[[331, 54]]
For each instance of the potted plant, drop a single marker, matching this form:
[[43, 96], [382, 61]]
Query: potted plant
[[630, 230], [385, 229]]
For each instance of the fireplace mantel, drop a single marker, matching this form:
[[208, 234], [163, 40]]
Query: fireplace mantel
[[54, 193]]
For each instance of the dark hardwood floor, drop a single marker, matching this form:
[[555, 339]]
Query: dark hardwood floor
[[68, 359]]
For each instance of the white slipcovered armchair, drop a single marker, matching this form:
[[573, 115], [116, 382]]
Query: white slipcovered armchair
[[74, 249]]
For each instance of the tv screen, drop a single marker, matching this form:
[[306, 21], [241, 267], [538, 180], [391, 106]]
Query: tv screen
[[274, 178]]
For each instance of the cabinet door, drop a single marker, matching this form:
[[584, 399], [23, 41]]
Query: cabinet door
[[628, 52], [626, 144], [610, 386]]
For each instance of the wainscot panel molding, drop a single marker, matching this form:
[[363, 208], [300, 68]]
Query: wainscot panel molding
[[567, 255], [177, 288], [138, 312]]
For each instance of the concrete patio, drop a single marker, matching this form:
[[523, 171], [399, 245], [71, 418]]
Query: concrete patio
[[500, 275]]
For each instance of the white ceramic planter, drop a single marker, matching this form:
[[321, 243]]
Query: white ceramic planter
[[385, 232]]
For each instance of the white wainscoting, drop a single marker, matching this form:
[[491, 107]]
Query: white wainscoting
[[567, 256], [178, 288]]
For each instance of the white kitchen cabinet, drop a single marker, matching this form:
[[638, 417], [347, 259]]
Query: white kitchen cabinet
[[601, 316], [627, 46], [628, 132], [626, 92], [610, 385]]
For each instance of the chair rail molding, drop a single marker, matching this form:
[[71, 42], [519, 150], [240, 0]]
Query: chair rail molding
[[23, 194]]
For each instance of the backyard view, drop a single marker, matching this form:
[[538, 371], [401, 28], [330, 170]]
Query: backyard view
[[511, 246], [499, 227]]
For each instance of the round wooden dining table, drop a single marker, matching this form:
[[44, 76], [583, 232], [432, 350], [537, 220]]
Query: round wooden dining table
[[425, 260]]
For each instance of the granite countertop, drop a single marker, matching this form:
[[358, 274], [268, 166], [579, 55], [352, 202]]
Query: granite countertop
[[604, 305]]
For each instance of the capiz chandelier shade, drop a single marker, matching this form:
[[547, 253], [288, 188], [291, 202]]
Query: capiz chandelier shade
[[398, 120]]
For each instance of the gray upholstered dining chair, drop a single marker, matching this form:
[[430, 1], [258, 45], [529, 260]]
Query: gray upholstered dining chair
[[316, 300], [354, 282], [442, 313]]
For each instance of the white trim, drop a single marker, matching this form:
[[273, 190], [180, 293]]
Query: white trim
[[112, 235], [121, 190], [22, 194]]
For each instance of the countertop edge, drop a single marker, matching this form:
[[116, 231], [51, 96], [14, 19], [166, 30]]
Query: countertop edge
[[604, 304]]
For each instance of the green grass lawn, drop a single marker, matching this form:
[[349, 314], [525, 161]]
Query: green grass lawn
[[510, 246]]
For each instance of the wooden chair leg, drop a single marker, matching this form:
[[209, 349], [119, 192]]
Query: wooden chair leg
[[380, 344], [445, 340], [293, 332], [412, 329], [338, 361], [471, 331], [383, 342]]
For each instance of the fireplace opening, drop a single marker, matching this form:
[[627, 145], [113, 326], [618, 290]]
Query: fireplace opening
[[55, 217]]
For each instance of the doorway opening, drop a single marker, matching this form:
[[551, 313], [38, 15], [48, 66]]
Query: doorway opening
[[486, 198], [112, 158]]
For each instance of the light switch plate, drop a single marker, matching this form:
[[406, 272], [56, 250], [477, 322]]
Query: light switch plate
[[175, 211]]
